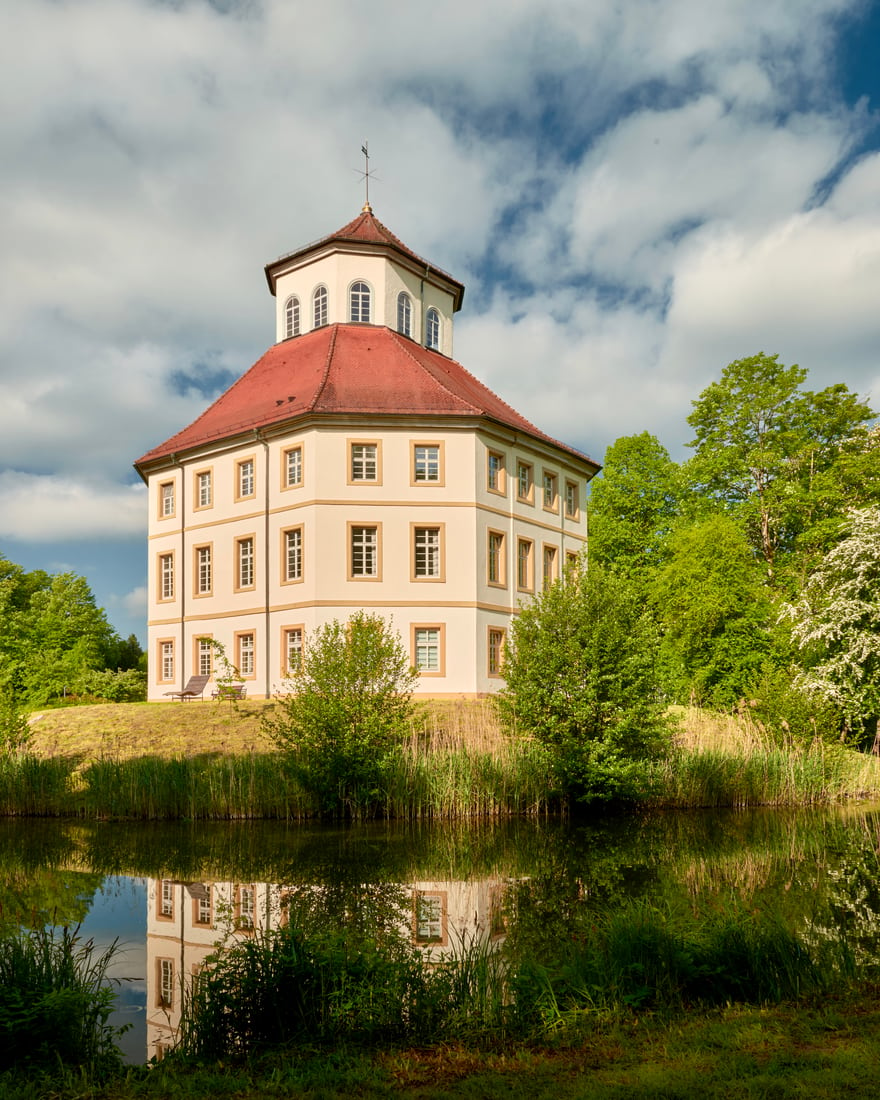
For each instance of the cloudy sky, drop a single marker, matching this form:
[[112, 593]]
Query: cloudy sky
[[634, 193]]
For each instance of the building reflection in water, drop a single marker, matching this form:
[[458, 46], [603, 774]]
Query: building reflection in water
[[187, 920]]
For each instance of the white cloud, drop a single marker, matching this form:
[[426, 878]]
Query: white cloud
[[54, 508]]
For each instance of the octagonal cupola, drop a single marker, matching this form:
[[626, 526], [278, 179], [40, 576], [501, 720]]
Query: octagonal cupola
[[363, 274]]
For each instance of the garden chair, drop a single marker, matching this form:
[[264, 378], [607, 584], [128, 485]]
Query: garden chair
[[195, 687]]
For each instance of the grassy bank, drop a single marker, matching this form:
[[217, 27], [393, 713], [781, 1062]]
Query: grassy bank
[[211, 760]]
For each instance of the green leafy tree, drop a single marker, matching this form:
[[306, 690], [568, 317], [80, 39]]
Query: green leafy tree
[[837, 625], [633, 505], [714, 611], [349, 704], [768, 449], [581, 678]]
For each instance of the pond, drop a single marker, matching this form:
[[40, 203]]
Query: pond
[[170, 892]]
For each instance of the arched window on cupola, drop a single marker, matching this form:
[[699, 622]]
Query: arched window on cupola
[[359, 303], [432, 329], [404, 314], [291, 317], [319, 304]]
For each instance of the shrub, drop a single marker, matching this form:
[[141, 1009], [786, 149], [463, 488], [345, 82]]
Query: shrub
[[348, 707], [15, 732], [123, 686]]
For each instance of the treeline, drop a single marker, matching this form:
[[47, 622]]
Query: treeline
[[757, 560], [56, 643]]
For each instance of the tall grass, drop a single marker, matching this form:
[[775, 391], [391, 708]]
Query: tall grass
[[34, 786], [55, 1002]]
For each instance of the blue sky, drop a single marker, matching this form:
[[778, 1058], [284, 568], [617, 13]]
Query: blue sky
[[634, 194]]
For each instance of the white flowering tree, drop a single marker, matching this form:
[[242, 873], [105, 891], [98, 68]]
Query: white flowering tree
[[837, 624]]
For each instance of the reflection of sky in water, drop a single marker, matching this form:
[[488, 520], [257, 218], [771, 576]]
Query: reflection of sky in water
[[119, 911]]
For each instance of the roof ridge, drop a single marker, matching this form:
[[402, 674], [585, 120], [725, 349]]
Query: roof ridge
[[331, 347], [405, 345]]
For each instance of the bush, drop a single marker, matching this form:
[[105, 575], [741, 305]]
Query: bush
[[15, 733], [123, 686], [349, 705], [787, 713]]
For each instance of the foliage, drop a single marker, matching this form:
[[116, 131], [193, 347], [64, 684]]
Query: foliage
[[581, 678], [786, 711], [349, 705], [55, 1001], [633, 505], [123, 686], [714, 612], [837, 624], [771, 451], [15, 731]]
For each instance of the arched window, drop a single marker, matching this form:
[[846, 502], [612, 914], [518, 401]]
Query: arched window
[[359, 303], [319, 301], [432, 329], [291, 317], [404, 314]]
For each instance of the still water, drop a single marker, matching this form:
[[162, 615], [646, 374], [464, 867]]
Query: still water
[[169, 893]]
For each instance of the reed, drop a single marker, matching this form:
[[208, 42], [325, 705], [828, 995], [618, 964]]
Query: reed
[[35, 787]]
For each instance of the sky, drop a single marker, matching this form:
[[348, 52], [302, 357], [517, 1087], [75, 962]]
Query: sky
[[634, 193]]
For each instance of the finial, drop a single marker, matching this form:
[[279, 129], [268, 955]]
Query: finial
[[366, 208]]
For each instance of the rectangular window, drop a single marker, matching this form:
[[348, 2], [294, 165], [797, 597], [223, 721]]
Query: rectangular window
[[427, 464], [245, 564], [293, 649], [246, 484], [496, 571], [166, 576], [495, 472], [165, 983], [572, 504], [203, 910], [204, 656], [496, 651], [246, 908], [166, 661], [524, 575], [524, 482], [551, 498], [204, 572], [204, 489], [429, 917], [364, 462], [293, 467], [293, 554], [245, 654], [166, 499], [364, 551], [427, 555], [165, 900], [427, 655], [571, 561], [549, 568]]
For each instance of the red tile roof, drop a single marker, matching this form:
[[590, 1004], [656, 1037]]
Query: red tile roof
[[363, 370], [367, 229]]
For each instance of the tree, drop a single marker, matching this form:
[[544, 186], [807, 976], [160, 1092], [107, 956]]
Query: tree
[[349, 705], [837, 625], [581, 678], [714, 612], [764, 447], [633, 505]]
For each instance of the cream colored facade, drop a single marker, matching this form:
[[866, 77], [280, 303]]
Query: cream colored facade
[[442, 524]]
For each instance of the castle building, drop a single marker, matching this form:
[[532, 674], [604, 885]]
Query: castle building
[[356, 465]]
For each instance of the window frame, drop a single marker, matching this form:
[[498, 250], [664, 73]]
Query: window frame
[[427, 444], [553, 478], [522, 466], [286, 576], [432, 328], [363, 291], [320, 306], [501, 487], [165, 577], [240, 653], [201, 651], [197, 910], [572, 500], [165, 989], [527, 559], [492, 632], [501, 557], [442, 898], [162, 655], [404, 308], [421, 578], [246, 920], [286, 452], [350, 444], [549, 548], [414, 630], [161, 914], [164, 513], [199, 592], [291, 317], [240, 464], [240, 542], [351, 527], [199, 503], [293, 628]]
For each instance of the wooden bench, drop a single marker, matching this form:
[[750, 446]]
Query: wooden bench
[[229, 691]]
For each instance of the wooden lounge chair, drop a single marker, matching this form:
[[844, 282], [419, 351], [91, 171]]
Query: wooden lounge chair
[[229, 691], [195, 688]]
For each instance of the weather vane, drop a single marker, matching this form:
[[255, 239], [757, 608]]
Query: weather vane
[[365, 176]]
